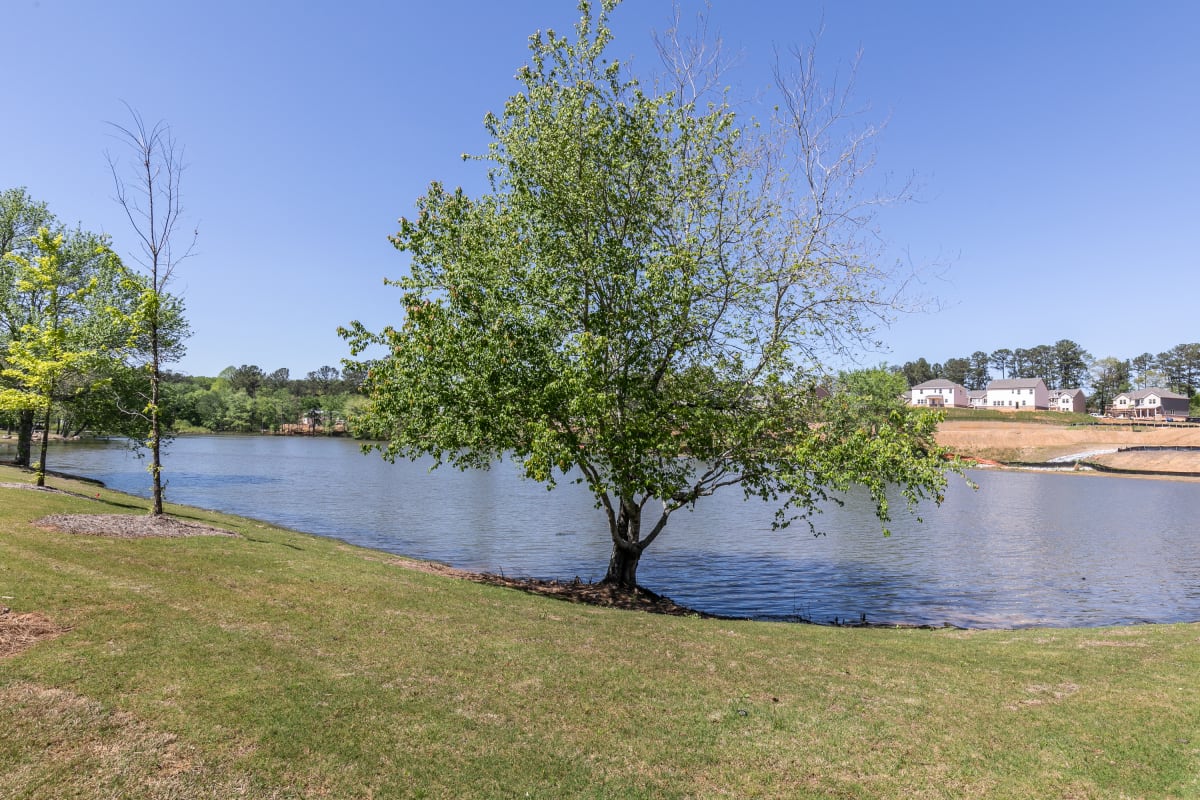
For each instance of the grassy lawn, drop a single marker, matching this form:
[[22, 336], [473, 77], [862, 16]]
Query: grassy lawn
[[1044, 417], [279, 665]]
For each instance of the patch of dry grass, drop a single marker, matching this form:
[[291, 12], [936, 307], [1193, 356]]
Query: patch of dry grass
[[1036, 442], [21, 631], [74, 746]]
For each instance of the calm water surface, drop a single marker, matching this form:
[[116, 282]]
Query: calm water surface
[[1025, 549]]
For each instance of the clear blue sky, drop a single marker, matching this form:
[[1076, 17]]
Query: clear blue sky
[[1055, 144]]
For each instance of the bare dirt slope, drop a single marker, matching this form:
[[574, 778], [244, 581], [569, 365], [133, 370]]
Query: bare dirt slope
[[1036, 442]]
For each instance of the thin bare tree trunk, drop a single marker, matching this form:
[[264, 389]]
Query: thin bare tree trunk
[[155, 425], [41, 467], [154, 218]]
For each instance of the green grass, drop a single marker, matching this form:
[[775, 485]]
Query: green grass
[[1064, 418], [281, 665]]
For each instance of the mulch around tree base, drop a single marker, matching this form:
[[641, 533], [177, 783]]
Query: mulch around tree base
[[597, 594], [128, 526]]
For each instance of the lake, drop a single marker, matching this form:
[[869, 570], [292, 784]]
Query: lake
[[1026, 549]]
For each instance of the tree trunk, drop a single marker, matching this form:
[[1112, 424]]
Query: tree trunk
[[41, 466], [24, 438], [155, 422], [626, 532], [622, 566]]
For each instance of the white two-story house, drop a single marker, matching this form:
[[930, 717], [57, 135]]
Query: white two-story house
[[1018, 394], [1068, 400], [939, 393]]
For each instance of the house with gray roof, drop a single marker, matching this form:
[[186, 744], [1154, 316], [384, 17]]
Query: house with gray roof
[[939, 393], [1152, 403], [1018, 394], [1068, 400]]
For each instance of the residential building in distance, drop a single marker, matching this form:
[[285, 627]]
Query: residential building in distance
[[1018, 394], [1068, 400], [1152, 403], [977, 398], [939, 393]]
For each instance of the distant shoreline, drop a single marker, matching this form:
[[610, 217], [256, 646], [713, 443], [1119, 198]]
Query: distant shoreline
[[1027, 444]]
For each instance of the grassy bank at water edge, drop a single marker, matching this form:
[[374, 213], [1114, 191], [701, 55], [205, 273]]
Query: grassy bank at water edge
[[275, 664]]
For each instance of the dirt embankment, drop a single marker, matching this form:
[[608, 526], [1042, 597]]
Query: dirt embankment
[[1037, 442]]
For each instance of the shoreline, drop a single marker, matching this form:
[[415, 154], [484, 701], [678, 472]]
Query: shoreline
[[133, 525], [1158, 453]]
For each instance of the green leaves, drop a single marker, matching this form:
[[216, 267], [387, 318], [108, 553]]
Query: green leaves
[[643, 300]]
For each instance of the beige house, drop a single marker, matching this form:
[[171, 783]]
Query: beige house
[[1068, 400], [1152, 403], [1018, 394], [939, 393]]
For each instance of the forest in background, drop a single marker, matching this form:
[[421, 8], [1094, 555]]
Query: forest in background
[[247, 399]]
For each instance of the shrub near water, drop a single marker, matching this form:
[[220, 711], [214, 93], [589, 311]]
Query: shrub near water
[[276, 664]]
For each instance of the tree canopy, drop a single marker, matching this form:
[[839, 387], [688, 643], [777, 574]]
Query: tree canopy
[[70, 338], [645, 301], [77, 299]]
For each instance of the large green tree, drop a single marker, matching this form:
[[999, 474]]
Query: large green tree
[[957, 370], [1003, 361], [1071, 364], [1143, 370], [1181, 367], [919, 371], [20, 219], [77, 272], [644, 301], [1110, 376], [76, 333], [979, 374]]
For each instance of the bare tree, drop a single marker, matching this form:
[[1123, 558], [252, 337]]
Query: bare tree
[[152, 202]]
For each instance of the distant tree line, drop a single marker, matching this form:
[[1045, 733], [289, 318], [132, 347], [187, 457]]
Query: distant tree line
[[247, 399], [1066, 365]]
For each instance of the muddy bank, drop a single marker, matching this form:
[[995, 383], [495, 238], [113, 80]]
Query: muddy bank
[[1035, 443]]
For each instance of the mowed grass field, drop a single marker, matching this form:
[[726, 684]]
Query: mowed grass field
[[274, 664]]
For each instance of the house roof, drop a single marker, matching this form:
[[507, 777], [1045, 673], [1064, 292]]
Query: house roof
[[1016, 383], [1065, 392], [939, 383], [1155, 391], [977, 393]]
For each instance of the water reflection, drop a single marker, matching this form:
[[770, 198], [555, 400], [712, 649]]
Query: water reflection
[[1026, 549]]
